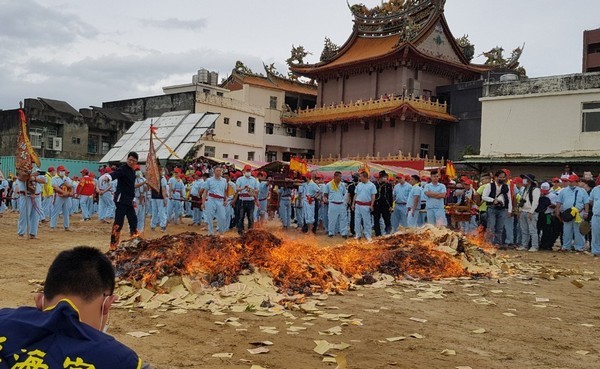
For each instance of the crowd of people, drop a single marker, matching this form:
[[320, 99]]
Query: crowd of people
[[518, 212]]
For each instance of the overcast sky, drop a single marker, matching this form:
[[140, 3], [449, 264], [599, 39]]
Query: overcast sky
[[90, 51]]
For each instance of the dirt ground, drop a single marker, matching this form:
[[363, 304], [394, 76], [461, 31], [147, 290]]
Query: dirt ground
[[552, 334]]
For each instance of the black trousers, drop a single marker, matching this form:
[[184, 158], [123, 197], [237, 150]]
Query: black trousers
[[246, 210], [316, 223], [120, 213], [352, 232], [379, 212]]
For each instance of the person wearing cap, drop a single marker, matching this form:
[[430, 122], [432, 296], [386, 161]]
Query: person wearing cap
[[63, 187], [30, 204], [567, 172], [335, 196], [512, 228], [528, 217], [413, 211], [363, 204], [546, 219], [400, 193], [463, 196], [141, 198], [384, 200], [176, 199], [297, 195], [171, 196], [214, 200], [594, 204], [285, 205], [229, 207], [556, 185], [323, 208], [263, 197], [482, 205], [436, 193], [310, 195], [159, 204], [85, 191], [196, 198], [94, 208], [247, 198], [585, 227], [47, 195], [74, 199], [351, 191], [499, 201], [105, 199], [574, 200]]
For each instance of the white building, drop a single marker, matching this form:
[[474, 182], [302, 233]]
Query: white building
[[250, 108], [539, 124]]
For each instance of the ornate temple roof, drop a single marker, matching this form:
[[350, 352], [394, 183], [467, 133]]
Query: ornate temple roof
[[271, 81], [395, 32], [388, 106]]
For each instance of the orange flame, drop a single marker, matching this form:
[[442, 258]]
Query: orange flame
[[301, 265]]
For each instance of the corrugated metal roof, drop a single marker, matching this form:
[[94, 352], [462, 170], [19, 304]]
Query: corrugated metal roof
[[179, 130]]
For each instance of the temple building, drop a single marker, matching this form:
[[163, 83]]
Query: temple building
[[377, 94]]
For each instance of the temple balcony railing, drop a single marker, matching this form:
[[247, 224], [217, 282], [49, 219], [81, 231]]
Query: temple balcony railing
[[429, 162], [385, 102]]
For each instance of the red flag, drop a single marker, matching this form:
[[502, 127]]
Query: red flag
[[25, 156], [152, 170]]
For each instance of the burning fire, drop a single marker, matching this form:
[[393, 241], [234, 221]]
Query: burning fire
[[300, 265]]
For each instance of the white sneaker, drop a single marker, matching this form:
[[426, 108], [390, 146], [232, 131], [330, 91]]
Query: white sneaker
[[521, 248], [534, 249], [357, 237], [369, 239]]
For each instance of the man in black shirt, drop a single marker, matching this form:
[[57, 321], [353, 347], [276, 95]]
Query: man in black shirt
[[383, 204], [351, 192], [124, 196]]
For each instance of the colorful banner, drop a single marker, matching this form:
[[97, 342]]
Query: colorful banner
[[25, 156], [298, 165], [450, 169], [152, 168]]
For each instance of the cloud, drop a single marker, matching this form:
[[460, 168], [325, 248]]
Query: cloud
[[92, 81], [176, 23], [26, 23]]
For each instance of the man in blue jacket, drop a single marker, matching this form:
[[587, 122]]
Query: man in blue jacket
[[67, 327]]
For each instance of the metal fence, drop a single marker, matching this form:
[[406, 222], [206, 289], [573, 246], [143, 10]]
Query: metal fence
[[7, 165]]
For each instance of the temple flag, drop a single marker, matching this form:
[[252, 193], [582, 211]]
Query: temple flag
[[450, 169], [152, 170], [25, 155], [298, 165]]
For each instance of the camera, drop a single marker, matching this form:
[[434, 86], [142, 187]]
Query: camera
[[521, 203]]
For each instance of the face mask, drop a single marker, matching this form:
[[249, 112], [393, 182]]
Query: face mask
[[525, 182], [502, 181], [247, 174], [106, 325], [138, 173], [62, 174]]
